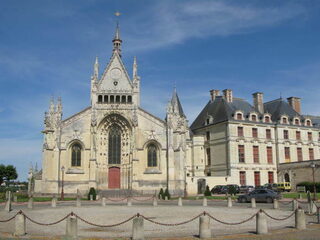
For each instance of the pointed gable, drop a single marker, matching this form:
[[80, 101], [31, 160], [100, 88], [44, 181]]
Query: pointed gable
[[115, 76]]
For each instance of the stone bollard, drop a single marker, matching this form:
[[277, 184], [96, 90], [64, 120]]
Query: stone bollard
[[155, 202], [300, 219], [8, 206], [97, 197], [129, 202], [72, 227], [78, 201], [20, 225], [91, 197], [275, 204], [137, 228], [261, 223], [229, 202], [54, 202], [204, 227], [103, 202], [166, 198], [294, 204], [180, 201], [15, 198], [313, 207], [30, 203], [205, 202], [318, 215], [253, 203], [300, 196]]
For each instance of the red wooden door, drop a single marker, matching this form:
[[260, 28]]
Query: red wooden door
[[114, 177]]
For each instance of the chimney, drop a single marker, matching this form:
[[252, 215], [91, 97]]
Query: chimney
[[214, 93], [258, 101], [295, 103], [227, 93]]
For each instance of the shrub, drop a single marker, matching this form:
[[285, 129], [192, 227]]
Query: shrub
[[161, 194], [92, 192], [207, 192], [167, 194], [309, 186]]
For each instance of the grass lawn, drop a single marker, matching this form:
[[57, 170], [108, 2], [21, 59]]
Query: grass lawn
[[296, 195]]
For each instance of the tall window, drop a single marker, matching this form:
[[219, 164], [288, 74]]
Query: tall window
[[152, 156], [257, 179], [241, 153], [208, 157], [114, 152], [76, 155], [242, 176], [299, 154], [240, 131], [270, 177], [285, 134], [208, 136], [256, 154], [310, 136], [268, 133], [298, 135], [269, 155], [255, 132], [311, 154], [287, 154]]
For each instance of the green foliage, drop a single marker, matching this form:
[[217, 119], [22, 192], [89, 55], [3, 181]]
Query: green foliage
[[7, 173], [207, 192], [232, 190], [92, 192], [161, 194], [167, 194], [309, 186]]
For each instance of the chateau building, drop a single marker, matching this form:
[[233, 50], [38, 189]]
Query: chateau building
[[115, 144]]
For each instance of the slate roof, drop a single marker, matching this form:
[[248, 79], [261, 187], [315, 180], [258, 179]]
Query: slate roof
[[279, 107]]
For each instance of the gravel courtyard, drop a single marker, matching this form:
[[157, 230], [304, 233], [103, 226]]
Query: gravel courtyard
[[112, 214]]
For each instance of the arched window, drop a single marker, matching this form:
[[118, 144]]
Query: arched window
[[152, 156], [114, 152], [100, 99], [76, 155]]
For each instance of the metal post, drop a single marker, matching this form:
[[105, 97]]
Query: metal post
[[313, 166], [62, 183]]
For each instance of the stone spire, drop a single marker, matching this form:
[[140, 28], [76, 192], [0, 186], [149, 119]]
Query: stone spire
[[59, 108], [135, 68], [96, 69], [175, 104], [51, 106], [117, 41]]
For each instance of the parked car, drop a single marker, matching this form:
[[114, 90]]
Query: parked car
[[261, 195], [284, 186], [246, 188], [225, 189], [217, 189], [272, 186]]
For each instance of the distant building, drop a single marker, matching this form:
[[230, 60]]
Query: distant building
[[115, 144]]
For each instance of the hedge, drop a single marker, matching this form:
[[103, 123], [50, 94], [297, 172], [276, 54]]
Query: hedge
[[309, 186]]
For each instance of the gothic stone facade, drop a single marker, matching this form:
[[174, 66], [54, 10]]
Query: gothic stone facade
[[115, 144]]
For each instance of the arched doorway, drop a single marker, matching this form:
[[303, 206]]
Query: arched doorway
[[286, 177], [114, 177]]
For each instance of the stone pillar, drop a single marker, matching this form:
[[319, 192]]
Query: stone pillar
[[253, 203], [229, 202], [54, 202], [300, 196], [294, 204], [180, 201], [205, 202], [129, 202], [275, 204], [204, 227], [155, 202], [300, 219], [78, 201], [261, 223], [97, 197], [313, 207], [30, 203], [91, 197], [137, 228], [166, 198], [20, 225], [72, 227], [103, 202], [8, 206], [15, 198]]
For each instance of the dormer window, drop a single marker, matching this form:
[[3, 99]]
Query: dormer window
[[239, 116], [284, 120], [267, 119], [254, 117], [308, 123], [296, 121]]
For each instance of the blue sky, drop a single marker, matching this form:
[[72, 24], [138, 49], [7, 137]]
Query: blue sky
[[47, 48]]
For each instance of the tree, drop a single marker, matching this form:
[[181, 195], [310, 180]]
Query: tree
[[207, 193], [7, 173]]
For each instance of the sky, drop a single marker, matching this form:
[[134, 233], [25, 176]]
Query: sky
[[47, 49]]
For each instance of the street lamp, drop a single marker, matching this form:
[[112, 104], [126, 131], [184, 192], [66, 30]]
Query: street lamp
[[313, 166], [62, 182]]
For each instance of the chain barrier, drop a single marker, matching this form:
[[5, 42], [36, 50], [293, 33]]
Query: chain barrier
[[311, 214], [170, 224], [302, 202], [9, 219], [120, 200], [234, 223], [278, 219], [142, 200], [47, 224], [286, 203], [111, 225]]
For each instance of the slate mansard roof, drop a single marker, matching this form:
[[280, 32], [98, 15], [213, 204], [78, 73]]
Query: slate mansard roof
[[219, 110]]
